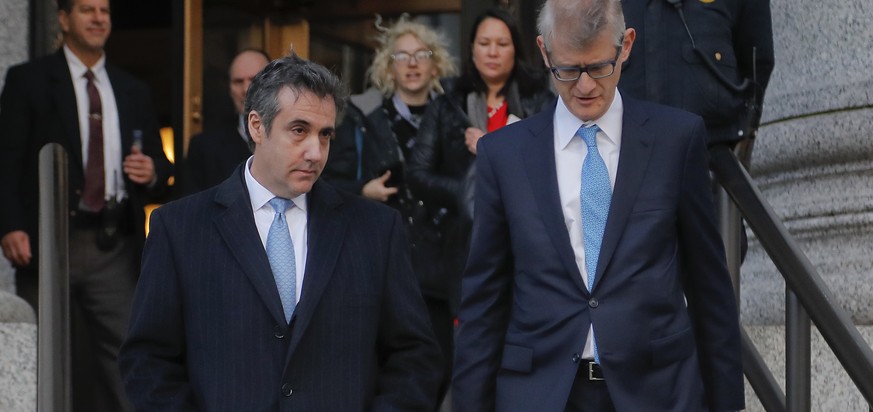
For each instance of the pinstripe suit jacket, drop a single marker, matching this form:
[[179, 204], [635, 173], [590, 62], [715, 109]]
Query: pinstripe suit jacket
[[208, 331]]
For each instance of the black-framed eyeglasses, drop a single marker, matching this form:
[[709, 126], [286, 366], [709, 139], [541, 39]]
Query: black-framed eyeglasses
[[404, 57], [595, 71]]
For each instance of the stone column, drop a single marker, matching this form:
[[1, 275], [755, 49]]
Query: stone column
[[813, 161]]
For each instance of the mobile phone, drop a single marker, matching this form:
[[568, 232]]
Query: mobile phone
[[137, 139]]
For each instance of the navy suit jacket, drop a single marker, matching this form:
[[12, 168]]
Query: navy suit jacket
[[525, 310], [208, 333]]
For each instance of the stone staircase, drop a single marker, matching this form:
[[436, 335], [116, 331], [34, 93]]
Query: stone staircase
[[17, 347]]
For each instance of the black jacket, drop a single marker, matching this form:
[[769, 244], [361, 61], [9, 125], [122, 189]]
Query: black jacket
[[365, 147], [438, 167], [212, 157], [663, 67]]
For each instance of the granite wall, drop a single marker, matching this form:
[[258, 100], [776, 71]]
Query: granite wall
[[813, 159], [813, 162]]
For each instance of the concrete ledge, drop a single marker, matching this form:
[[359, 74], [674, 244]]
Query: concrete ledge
[[17, 367], [13, 309], [832, 390]]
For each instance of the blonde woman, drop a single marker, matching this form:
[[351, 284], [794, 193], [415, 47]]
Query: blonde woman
[[369, 154]]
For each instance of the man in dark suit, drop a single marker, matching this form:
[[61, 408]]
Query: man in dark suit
[[102, 116], [596, 279], [273, 291], [214, 154]]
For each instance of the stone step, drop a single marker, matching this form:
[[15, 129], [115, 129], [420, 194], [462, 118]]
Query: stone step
[[832, 390], [17, 367], [17, 354]]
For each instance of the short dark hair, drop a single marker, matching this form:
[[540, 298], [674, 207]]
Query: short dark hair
[[300, 76]]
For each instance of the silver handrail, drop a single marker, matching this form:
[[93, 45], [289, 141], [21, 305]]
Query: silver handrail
[[53, 349]]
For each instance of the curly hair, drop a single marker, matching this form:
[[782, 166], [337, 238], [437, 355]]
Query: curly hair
[[380, 70]]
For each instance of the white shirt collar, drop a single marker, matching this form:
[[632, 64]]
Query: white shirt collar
[[566, 123], [78, 69], [260, 195]]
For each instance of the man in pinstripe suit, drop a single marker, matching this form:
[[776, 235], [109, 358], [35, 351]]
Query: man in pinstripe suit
[[210, 328]]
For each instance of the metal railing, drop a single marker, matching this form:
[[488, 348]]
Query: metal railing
[[807, 296], [53, 342]]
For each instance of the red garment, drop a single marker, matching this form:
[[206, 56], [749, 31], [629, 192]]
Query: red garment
[[497, 117]]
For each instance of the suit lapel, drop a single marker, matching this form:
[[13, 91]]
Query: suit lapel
[[65, 101], [539, 158], [237, 228], [633, 161], [327, 229]]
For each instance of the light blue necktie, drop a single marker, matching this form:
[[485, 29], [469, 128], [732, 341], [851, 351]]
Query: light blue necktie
[[595, 197], [280, 252]]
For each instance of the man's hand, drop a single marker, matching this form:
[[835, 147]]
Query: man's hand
[[16, 247], [472, 136], [376, 189], [139, 167]]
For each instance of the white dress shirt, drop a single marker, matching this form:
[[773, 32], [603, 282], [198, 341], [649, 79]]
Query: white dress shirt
[[112, 158], [295, 216], [570, 152]]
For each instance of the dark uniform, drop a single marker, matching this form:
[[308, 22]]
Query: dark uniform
[[735, 35]]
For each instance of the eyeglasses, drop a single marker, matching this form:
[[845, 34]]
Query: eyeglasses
[[595, 71], [404, 57]]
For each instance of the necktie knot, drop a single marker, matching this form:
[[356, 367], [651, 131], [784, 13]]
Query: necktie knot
[[280, 204], [89, 75], [588, 135]]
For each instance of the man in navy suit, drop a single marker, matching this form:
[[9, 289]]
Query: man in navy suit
[[640, 317], [103, 118], [220, 323]]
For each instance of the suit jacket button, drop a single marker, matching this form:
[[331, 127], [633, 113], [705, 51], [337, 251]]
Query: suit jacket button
[[576, 358], [279, 331], [593, 303], [286, 390]]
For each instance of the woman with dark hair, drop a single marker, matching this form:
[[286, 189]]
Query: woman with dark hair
[[496, 89]]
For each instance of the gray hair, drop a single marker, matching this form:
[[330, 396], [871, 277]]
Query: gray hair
[[580, 21], [300, 76]]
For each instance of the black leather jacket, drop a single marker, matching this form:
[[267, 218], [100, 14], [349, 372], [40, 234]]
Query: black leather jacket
[[437, 170], [440, 159]]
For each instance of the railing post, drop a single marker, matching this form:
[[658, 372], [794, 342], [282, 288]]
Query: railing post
[[730, 225], [797, 355], [53, 349]]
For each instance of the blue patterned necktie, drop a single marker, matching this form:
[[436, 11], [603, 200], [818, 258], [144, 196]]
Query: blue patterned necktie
[[595, 198], [280, 252]]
